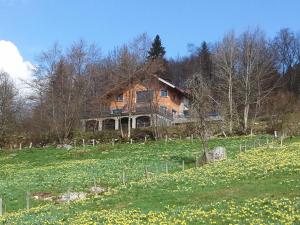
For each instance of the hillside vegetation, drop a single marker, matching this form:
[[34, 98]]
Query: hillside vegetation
[[148, 184]]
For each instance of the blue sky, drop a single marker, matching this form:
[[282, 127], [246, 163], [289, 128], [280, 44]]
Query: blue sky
[[34, 25]]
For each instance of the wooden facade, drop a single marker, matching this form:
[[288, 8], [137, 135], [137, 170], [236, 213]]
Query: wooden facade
[[141, 101]]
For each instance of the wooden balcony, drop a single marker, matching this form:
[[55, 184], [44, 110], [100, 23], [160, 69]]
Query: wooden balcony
[[140, 110]]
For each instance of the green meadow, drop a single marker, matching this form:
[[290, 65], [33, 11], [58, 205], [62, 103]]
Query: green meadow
[[155, 183]]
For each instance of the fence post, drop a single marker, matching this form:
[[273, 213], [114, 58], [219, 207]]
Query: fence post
[[192, 138], [196, 161], [123, 178], [145, 139], [281, 140], [20, 146], [146, 172], [83, 143], [69, 195], [167, 168], [182, 165], [30, 145], [131, 141], [1, 207], [113, 142], [93, 141], [166, 139], [27, 200], [240, 147], [95, 185]]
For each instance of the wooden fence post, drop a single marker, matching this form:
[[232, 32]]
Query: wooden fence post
[[281, 140], [27, 200], [30, 145], [166, 139], [192, 138], [182, 165], [131, 141], [83, 143], [113, 142], [146, 172], [1, 207], [167, 168], [93, 141], [123, 178], [95, 185], [69, 195], [20, 147]]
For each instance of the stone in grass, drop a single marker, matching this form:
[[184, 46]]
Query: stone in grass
[[218, 153], [97, 190], [72, 196]]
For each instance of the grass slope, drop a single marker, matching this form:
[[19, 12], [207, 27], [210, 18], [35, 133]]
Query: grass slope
[[261, 185]]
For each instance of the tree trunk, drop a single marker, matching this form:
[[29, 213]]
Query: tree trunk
[[246, 114]]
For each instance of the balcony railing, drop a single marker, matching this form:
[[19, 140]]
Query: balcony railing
[[138, 110]]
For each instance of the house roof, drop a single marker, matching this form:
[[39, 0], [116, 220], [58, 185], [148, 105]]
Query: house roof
[[124, 85]]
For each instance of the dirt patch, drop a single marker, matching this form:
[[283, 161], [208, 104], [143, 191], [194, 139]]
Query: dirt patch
[[68, 196], [80, 153], [45, 196]]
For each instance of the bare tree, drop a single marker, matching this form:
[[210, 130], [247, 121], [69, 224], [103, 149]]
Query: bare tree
[[202, 104], [226, 60], [8, 107], [61, 86]]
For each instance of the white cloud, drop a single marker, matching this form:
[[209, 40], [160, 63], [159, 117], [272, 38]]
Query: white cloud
[[12, 62]]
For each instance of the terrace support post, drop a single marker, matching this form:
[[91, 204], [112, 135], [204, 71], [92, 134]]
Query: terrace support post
[[116, 124], [100, 125], [133, 119]]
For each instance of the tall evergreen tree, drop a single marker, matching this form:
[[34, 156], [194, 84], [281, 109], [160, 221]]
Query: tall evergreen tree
[[157, 51], [205, 61]]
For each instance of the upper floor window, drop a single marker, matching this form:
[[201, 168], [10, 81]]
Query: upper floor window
[[119, 98], [164, 92], [144, 96]]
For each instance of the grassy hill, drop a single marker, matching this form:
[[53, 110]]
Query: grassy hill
[[147, 184]]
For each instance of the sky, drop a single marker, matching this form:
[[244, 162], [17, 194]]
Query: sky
[[28, 27]]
